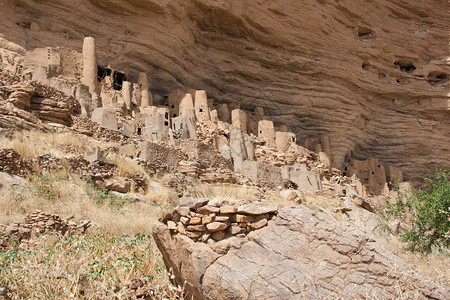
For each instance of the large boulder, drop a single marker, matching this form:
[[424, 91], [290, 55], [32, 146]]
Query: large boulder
[[300, 254], [21, 95]]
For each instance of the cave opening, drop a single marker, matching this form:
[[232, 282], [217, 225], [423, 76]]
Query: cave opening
[[364, 33], [25, 25], [437, 77], [405, 66]]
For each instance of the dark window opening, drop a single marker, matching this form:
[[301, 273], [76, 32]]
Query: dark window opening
[[201, 109], [260, 131], [117, 77], [405, 66], [166, 115], [365, 66], [139, 131], [173, 106], [345, 169], [102, 73], [174, 115], [166, 123], [373, 173]]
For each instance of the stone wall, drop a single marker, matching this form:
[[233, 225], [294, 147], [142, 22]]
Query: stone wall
[[199, 219]]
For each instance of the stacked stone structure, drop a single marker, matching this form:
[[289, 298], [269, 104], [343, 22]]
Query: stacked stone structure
[[201, 219]]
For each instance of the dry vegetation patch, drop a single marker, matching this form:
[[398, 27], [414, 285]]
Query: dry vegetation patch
[[62, 195], [118, 253], [30, 144], [125, 165], [89, 266], [225, 192]]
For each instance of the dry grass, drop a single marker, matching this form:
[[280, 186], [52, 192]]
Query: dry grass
[[224, 192], [30, 144], [311, 200], [118, 248], [281, 202], [433, 267], [57, 194], [163, 179], [125, 165], [163, 199], [89, 266]]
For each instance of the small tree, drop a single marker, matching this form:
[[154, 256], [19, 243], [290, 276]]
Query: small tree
[[426, 213]]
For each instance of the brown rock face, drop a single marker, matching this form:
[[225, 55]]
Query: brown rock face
[[301, 255], [373, 76]]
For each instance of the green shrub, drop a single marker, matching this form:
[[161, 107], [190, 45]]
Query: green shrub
[[426, 213]]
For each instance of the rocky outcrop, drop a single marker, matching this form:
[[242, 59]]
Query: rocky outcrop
[[27, 104], [300, 254], [373, 76], [21, 95]]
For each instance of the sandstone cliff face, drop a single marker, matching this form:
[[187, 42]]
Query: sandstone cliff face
[[372, 75]]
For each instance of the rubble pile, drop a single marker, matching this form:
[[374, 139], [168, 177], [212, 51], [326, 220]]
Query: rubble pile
[[11, 163], [97, 170], [39, 223]]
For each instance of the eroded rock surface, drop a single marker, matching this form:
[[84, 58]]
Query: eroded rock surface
[[300, 254]]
